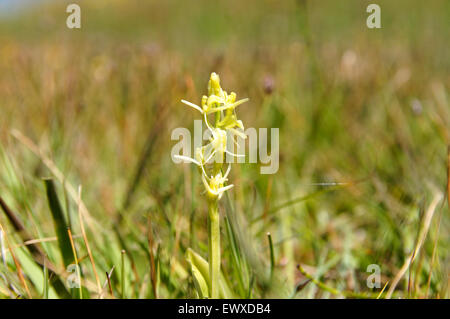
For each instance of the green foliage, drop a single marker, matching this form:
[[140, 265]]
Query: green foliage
[[60, 224], [364, 129]]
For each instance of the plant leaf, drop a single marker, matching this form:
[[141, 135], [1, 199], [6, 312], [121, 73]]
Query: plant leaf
[[200, 270], [59, 223]]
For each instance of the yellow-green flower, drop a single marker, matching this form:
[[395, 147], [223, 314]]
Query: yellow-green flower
[[223, 106]]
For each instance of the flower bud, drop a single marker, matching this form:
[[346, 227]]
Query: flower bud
[[214, 85]]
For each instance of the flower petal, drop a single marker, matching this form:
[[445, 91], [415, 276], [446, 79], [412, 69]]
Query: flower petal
[[195, 106]]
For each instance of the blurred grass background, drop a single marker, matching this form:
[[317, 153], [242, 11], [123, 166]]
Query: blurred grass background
[[364, 107]]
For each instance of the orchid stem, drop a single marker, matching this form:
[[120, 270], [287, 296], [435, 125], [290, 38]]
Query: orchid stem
[[214, 249]]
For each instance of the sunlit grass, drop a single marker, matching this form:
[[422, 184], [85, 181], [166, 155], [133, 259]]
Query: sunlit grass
[[364, 128]]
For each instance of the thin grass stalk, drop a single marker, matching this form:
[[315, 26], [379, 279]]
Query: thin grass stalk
[[272, 256], [45, 286], [76, 263], [109, 285], [152, 257], [421, 239], [16, 262], [122, 294], [88, 248]]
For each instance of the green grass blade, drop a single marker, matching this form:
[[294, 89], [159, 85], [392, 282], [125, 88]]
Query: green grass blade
[[272, 256], [45, 284], [59, 223], [237, 260]]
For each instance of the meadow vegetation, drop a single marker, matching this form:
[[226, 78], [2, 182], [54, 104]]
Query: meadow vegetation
[[86, 176]]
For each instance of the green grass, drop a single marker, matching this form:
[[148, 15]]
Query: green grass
[[368, 109]]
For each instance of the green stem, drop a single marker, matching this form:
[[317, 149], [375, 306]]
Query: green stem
[[272, 256], [217, 119], [214, 249], [123, 275]]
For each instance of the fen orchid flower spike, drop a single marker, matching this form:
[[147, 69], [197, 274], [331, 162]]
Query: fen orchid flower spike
[[223, 105], [210, 157]]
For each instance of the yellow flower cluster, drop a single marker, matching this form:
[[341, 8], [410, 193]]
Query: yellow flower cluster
[[223, 106]]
